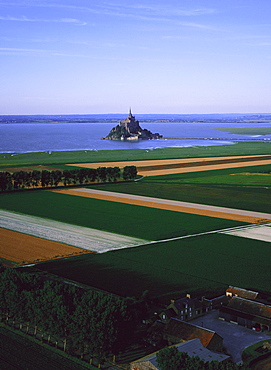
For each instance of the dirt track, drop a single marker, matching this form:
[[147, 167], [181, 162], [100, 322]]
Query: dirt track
[[177, 206], [22, 248]]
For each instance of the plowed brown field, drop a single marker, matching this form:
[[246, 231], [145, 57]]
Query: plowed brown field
[[23, 249]]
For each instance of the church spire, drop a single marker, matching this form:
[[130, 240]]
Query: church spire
[[130, 113]]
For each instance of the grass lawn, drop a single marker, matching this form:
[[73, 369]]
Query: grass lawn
[[44, 158], [198, 265], [257, 351]]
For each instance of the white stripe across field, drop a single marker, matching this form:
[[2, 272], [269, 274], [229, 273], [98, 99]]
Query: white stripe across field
[[261, 232], [78, 236]]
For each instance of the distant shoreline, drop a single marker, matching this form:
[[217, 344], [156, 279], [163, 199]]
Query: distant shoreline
[[242, 118]]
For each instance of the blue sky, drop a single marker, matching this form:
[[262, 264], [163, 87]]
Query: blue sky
[[157, 56]]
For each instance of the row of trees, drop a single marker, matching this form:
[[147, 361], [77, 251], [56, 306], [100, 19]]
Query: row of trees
[[88, 319], [33, 179], [171, 359]]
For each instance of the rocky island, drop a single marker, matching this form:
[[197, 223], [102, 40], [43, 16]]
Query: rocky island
[[129, 129]]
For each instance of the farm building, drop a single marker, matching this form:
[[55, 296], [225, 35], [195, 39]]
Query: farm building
[[188, 308], [192, 348], [175, 331], [249, 313], [184, 308]]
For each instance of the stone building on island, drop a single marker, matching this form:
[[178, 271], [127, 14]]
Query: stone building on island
[[129, 129]]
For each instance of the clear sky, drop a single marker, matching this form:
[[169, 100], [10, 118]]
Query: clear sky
[[157, 56]]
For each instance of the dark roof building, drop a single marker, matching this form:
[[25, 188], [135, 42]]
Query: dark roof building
[[185, 308], [252, 314]]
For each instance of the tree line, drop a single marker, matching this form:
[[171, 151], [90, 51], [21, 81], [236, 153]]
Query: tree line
[[88, 321], [33, 179]]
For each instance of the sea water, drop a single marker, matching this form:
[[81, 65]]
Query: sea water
[[74, 135]]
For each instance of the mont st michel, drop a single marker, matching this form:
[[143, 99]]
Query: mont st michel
[[129, 129]]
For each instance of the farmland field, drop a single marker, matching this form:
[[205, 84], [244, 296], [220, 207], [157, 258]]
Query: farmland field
[[21, 248], [187, 165], [72, 235], [63, 157], [225, 188], [197, 265], [171, 205], [125, 219]]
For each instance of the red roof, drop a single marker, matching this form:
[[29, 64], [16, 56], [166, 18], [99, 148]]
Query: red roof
[[239, 292], [186, 331]]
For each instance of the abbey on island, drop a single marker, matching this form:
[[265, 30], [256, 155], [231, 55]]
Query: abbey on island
[[129, 129]]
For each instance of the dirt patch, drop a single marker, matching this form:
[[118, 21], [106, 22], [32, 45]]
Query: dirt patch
[[218, 212], [23, 249]]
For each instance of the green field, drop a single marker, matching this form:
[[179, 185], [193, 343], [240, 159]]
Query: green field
[[198, 265], [44, 158], [132, 220], [241, 188]]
